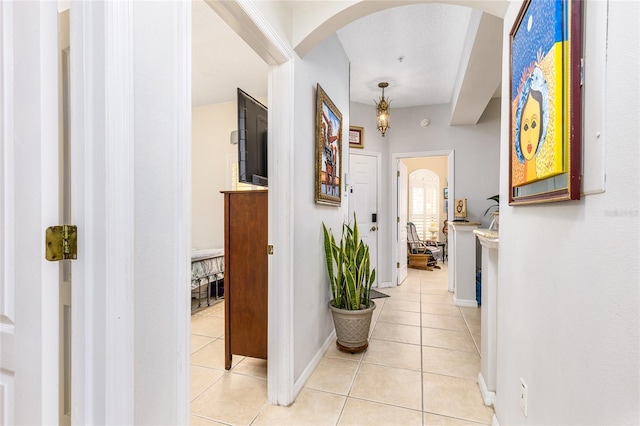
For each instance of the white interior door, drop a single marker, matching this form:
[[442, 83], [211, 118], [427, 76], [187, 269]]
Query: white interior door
[[401, 247], [363, 200], [29, 189]]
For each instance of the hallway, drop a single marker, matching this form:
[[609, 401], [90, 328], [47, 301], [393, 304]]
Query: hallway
[[421, 368]]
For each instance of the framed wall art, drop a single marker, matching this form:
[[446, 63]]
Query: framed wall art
[[328, 150], [545, 96], [356, 137], [460, 208]]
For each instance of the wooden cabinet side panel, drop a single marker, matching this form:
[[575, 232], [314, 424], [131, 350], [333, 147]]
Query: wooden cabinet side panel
[[228, 276], [247, 294]]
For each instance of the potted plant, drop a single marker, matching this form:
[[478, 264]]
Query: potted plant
[[350, 279], [496, 218]]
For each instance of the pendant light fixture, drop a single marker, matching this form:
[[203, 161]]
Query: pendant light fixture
[[383, 110]]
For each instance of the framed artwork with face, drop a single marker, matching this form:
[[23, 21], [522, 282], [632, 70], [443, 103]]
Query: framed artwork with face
[[545, 139]]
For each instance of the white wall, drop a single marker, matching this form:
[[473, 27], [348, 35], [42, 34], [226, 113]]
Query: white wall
[[327, 65], [476, 150], [476, 159], [162, 207], [211, 171], [212, 125], [568, 295]]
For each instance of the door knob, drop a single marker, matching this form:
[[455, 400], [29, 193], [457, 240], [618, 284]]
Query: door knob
[[373, 228]]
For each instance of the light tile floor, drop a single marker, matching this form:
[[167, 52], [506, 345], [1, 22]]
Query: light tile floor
[[421, 368]]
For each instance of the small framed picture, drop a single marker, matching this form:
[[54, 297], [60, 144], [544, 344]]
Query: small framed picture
[[356, 137], [445, 193], [460, 208]]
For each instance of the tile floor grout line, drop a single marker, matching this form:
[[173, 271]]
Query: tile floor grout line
[[264, 407], [353, 380], [423, 283], [473, 339]]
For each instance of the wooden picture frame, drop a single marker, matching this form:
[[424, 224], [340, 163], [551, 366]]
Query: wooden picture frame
[[356, 137], [328, 150], [460, 208], [545, 95]]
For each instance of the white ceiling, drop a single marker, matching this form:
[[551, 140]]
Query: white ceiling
[[429, 37]]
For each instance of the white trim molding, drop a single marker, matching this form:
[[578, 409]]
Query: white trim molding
[[494, 421], [183, 232], [7, 179], [308, 371], [488, 397], [280, 374], [246, 20], [102, 207], [465, 303]]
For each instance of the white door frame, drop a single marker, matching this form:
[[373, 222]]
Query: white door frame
[[102, 123], [247, 21], [401, 203], [28, 204], [378, 157], [103, 207], [450, 153]]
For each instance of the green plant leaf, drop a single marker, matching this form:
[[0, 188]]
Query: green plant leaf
[[349, 267], [495, 198]]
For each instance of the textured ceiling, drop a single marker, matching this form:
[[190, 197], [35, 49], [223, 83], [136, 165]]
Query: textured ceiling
[[428, 37]]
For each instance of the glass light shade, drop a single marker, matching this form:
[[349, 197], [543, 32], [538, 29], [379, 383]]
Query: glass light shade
[[383, 110], [383, 116]]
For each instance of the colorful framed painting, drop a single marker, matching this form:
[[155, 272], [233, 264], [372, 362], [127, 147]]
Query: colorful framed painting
[[356, 137], [328, 150], [545, 96]]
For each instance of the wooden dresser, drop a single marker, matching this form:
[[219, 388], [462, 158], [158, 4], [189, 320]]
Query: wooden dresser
[[245, 281]]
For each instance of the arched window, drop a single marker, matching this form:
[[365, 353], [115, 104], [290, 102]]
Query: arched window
[[424, 190]]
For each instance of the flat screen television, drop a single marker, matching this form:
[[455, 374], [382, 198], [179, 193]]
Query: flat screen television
[[252, 140]]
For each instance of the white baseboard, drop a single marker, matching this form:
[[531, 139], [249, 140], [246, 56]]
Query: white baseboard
[[299, 384], [386, 284], [488, 396], [465, 303], [494, 421]]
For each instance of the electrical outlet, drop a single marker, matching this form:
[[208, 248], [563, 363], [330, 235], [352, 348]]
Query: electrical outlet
[[523, 396]]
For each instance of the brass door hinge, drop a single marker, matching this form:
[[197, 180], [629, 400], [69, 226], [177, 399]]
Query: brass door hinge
[[269, 249], [61, 242], [397, 264]]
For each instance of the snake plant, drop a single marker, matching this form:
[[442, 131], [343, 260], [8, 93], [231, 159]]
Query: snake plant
[[349, 268]]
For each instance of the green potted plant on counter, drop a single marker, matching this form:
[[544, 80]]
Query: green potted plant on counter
[[495, 221], [350, 280]]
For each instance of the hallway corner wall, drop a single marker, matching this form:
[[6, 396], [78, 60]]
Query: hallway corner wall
[[328, 66], [568, 296]]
